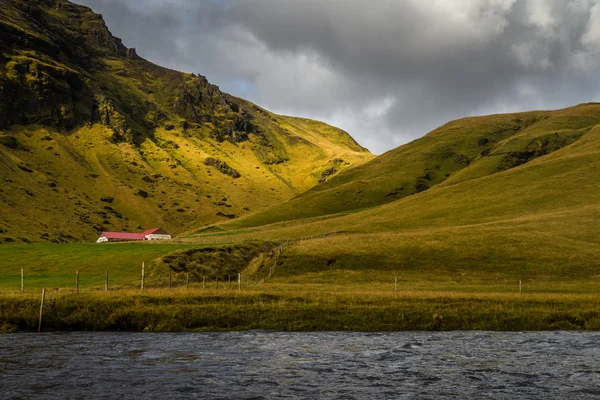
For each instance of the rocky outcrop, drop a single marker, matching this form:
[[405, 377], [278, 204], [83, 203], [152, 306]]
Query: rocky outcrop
[[197, 99], [9, 141], [538, 147], [234, 129], [56, 74], [326, 174], [222, 167], [111, 118], [200, 102], [35, 92]]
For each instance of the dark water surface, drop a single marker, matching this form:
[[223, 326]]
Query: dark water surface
[[255, 365]]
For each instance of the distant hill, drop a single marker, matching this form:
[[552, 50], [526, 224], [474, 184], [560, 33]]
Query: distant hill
[[458, 151], [483, 200], [93, 137]]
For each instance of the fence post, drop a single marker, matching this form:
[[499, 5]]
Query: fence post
[[106, 282], [143, 275], [520, 287], [239, 281], [41, 310], [229, 277], [22, 281], [77, 281], [187, 280]]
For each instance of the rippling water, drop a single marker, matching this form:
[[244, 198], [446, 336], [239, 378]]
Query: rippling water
[[255, 365]]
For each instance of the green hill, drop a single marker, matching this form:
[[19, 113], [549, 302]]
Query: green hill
[[522, 205], [93, 137], [458, 151]]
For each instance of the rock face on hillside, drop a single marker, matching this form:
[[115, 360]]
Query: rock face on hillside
[[82, 116], [51, 80]]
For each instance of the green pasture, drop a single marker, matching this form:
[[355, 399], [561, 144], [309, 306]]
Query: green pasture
[[54, 265]]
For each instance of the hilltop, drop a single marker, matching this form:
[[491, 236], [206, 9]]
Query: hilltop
[[93, 137], [458, 151]]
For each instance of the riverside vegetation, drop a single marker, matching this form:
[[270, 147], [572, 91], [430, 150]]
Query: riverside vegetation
[[285, 307], [333, 300], [457, 217]]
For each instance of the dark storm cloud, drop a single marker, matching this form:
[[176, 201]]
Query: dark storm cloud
[[387, 71]]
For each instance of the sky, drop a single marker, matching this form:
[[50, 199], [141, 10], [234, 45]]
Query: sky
[[386, 71]]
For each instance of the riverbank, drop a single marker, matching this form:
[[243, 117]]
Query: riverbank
[[286, 309]]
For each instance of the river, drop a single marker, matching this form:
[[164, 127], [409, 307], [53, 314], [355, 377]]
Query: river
[[320, 365]]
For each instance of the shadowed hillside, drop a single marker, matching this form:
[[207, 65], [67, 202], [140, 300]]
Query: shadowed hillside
[[93, 137]]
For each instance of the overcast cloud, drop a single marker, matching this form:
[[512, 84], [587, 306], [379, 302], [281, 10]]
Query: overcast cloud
[[387, 71]]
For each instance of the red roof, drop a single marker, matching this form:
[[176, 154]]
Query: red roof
[[124, 235], [158, 231], [133, 236]]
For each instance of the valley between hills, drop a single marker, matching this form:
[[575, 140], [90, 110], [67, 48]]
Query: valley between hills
[[320, 233]]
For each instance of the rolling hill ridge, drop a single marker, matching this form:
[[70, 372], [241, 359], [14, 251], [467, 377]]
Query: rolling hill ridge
[[458, 151], [508, 197]]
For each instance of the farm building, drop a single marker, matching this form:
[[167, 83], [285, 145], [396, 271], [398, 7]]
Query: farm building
[[150, 234]]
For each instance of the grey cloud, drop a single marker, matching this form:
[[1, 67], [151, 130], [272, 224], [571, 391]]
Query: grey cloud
[[387, 71]]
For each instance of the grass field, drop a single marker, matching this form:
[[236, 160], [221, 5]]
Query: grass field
[[54, 266], [369, 297], [365, 299]]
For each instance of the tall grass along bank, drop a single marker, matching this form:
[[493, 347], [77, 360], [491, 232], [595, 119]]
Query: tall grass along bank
[[287, 309]]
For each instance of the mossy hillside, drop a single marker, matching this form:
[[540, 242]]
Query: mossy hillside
[[219, 262], [53, 184], [533, 222], [85, 118], [460, 150]]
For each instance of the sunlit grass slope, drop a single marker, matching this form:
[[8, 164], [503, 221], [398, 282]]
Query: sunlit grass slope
[[458, 151], [526, 209], [94, 137], [58, 187]]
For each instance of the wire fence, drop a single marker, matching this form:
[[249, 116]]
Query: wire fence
[[84, 282], [112, 282]]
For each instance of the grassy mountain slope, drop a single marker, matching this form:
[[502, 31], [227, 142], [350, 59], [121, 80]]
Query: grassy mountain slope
[[460, 150], [527, 208], [93, 137]]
